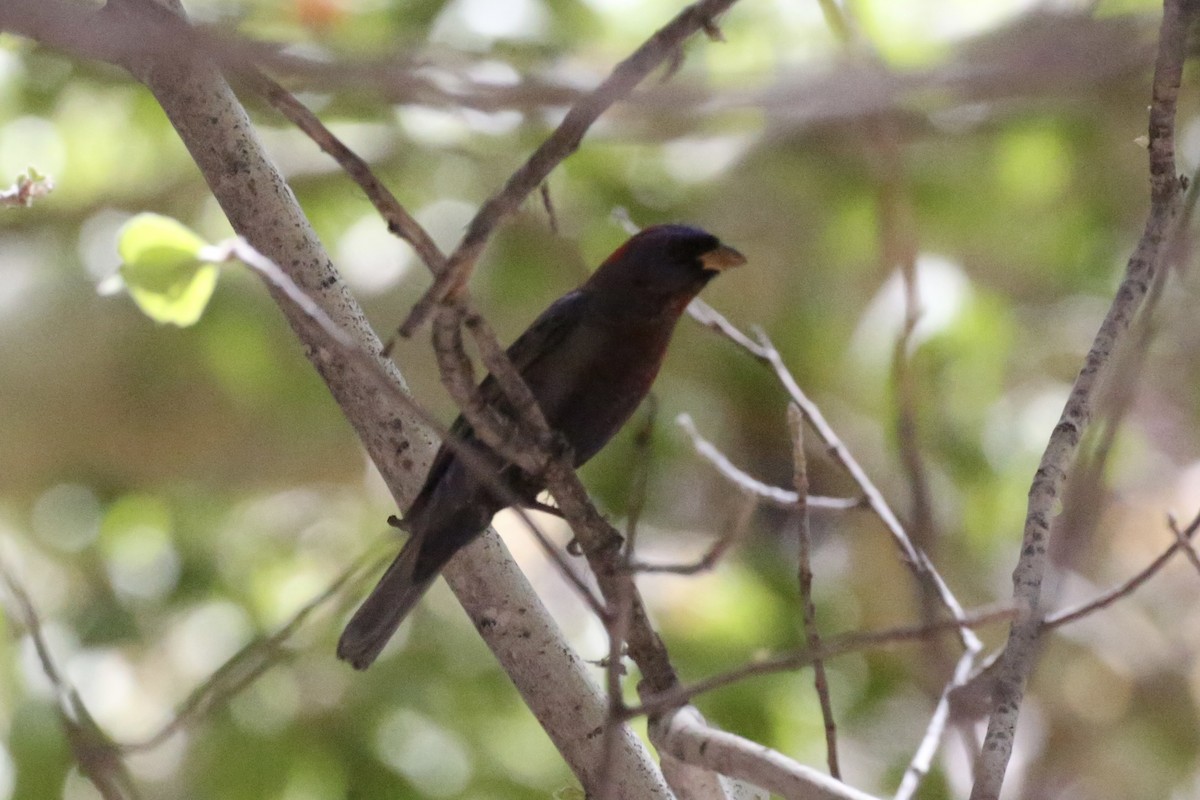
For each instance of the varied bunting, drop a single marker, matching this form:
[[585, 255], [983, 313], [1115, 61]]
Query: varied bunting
[[589, 360]]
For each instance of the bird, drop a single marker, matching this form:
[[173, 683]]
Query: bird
[[589, 360]]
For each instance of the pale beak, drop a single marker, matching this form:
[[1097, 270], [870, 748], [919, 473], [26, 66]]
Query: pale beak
[[722, 258]]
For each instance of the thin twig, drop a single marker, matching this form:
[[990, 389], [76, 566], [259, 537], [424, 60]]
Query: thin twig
[[898, 250], [98, 757], [735, 534], [1121, 590], [764, 351], [812, 634], [712, 319], [776, 496], [398, 220], [548, 204], [1184, 542], [831, 648], [915, 559]]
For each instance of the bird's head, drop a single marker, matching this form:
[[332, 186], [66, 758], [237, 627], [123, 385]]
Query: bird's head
[[665, 265]]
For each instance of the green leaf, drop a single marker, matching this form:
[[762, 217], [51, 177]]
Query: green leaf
[[164, 270]]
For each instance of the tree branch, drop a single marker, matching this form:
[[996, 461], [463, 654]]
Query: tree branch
[[214, 127], [1126, 587], [686, 735], [1020, 652], [562, 143]]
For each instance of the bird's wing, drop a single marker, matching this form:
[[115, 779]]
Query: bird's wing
[[548, 331], [540, 340]]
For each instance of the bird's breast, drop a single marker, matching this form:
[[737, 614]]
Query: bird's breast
[[604, 375]]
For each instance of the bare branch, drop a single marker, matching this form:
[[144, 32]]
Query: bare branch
[[734, 535], [712, 319], [764, 351], [398, 220], [563, 142], [1017, 660]]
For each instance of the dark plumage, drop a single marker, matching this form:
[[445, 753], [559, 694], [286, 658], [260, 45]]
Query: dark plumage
[[589, 360]]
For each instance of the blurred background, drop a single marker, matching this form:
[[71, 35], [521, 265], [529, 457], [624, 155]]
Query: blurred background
[[169, 495]]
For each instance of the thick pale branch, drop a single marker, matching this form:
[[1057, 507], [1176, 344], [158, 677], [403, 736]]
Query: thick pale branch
[[688, 737]]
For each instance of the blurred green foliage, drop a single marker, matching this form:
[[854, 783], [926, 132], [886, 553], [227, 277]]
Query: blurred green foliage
[[168, 495]]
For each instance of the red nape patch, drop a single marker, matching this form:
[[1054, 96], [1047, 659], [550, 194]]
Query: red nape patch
[[620, 251]]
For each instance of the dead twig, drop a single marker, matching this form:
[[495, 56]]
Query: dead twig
[[812, 633], [98, 757], [831, 648], [735, 534]]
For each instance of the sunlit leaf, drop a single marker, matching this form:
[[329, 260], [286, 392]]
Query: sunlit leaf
[[163, 269]]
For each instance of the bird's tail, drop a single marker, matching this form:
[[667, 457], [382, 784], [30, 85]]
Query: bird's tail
[[382, 612]]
